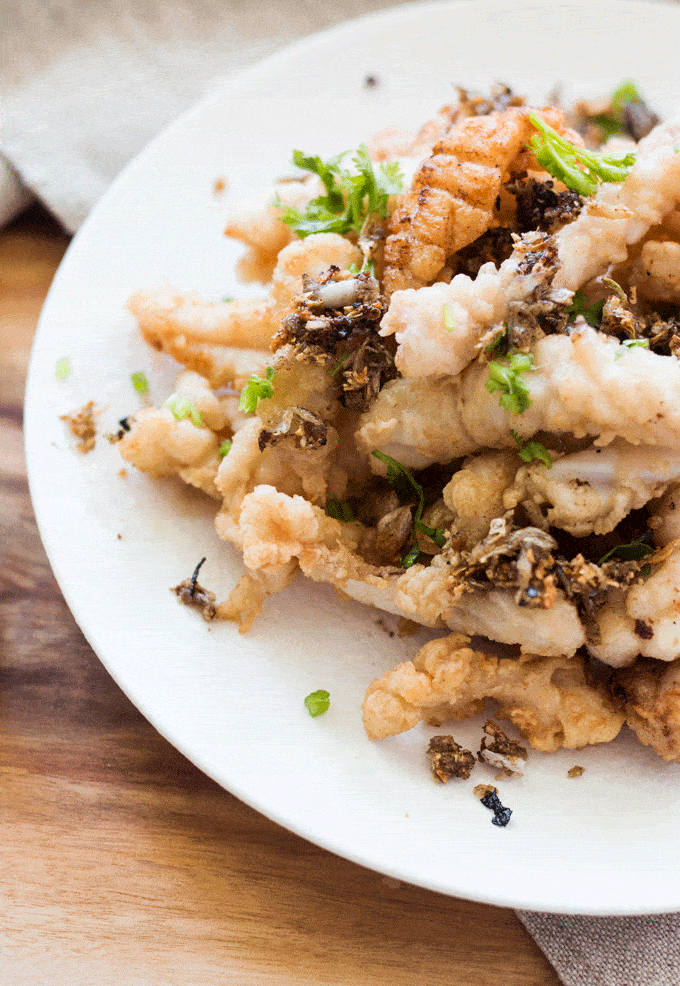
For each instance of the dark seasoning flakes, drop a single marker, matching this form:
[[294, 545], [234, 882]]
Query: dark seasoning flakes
[[448, 759], [191, 593]]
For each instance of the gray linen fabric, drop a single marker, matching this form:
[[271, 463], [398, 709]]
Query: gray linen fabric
[[86, 86], [626, 951]]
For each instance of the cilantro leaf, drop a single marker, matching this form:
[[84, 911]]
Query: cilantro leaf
[[578, 168], [350, 196], [629, 552], [530, 451], [396, 475], [612, 121], [225, 447], [591, 311], [340, 510], [257, 389], [505, 377]]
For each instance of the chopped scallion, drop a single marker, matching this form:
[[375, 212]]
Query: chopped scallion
[[182, 407], [139, 382], [257, 389], [318, 702]]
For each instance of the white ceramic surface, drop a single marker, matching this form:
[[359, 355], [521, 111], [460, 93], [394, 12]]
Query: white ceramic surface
[[606, 843]]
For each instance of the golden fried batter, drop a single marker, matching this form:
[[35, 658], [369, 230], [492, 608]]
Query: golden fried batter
[[456, 191]]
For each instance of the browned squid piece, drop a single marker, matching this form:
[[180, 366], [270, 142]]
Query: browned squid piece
[[454, 195]]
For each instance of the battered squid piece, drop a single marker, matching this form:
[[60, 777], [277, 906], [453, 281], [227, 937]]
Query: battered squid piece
[[650, 691], [647, 621], [228, 341], [581, 385], [160, 444], [257, 223], [618, 216], [453, 196], [593, 490], [549, 700], [475, 493]]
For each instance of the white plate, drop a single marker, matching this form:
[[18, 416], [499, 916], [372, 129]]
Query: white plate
[[606, 843]]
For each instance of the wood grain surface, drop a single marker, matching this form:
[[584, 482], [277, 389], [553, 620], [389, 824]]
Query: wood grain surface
[[123, 864]]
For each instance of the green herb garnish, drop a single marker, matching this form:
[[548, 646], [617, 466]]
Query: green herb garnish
[[227, 299], [257, 389], [449, 318], [632, 344], [401, 478], [506, 378], [499, 346], [318, 702], [139, 382], [349, 196], [182, 407], [612, 122], [225, 447], [530, 451], [340, 510], [591, 311], [62, 369], [629, 552], [578, 168]]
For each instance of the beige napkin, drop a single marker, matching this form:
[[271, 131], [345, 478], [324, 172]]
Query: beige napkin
[[87, 85]]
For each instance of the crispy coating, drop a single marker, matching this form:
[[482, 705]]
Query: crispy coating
[[475, 493], [651, 697], [591, 491], [256, 222], [582, 385], [228, 341], [158, 444], [549, 700], [453, 195], [602, 235]]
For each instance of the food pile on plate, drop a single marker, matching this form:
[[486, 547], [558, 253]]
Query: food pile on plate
[[458, 402]]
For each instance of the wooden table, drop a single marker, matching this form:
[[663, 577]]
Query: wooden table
[[121, 863]]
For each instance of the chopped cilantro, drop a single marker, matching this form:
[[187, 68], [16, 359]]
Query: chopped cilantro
[[225, 447], [591, 311], [350, 196], [340, 510], [62, 369], [646, 570], [612, 121], [506, 377], [227, 299], [182, 407], [139, 382], [579, 169], [318, 702], [257, 389], [528, 451], [500, 343], [629, 552], [632, 344], [449, 318], [401, 478]]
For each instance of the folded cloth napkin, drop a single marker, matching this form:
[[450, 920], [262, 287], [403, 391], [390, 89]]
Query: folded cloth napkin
[[86, 87]]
